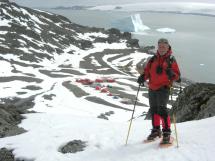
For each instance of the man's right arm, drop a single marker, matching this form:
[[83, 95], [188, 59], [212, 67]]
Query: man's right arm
[[146, 70]]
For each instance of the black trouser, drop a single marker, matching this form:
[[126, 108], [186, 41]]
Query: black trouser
[[158, 100]]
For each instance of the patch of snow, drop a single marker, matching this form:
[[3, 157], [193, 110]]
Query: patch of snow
[[166, 30], [5, 46], [91, 35], [32, 17], [22, 41], [43, 11], [103, 69], [4, 22], [15, 8], [95, 62], [1, 38], [5, 69], [26, 50]]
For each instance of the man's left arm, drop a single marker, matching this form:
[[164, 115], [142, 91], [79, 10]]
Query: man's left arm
[[173, 71], [176, 71]]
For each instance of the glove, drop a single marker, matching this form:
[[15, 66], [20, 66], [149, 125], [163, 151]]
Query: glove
[[141, 79], [170, 73], [179, 80]]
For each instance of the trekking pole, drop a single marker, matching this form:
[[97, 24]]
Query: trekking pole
[[132, 115], [180, 88], [171, 92], [176, 134]]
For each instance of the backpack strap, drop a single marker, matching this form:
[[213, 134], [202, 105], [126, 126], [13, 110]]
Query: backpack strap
[[151, 60], [171, 59]]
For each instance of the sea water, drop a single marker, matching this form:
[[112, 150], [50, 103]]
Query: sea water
[[192, 37]]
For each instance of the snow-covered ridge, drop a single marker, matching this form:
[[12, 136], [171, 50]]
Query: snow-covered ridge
[[178, 7]]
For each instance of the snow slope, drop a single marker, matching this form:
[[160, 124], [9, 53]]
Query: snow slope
[[55, 126], [69, 116]]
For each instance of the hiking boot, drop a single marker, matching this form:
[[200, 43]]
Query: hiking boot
[[166, 136], [156, 132]]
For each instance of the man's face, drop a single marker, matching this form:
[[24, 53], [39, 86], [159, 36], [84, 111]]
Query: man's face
[[163, 48]]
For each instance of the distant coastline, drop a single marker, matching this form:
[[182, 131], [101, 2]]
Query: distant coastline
[[118, 8], [71, 8]]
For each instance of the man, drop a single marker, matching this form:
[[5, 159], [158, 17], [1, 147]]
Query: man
[[161, 71]]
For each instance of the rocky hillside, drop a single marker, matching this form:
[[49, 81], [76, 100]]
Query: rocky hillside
[[49, 63], [35, 40], [44, 34], [196, 102], [41, 51], [37, 47]]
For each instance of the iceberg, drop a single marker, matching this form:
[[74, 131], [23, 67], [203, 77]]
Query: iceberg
[[138, 23], [166, 30], [132, 23]]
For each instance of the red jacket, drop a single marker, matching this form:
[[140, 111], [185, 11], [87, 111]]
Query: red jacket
[[157, 81]]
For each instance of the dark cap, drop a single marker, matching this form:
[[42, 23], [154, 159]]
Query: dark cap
[[163, 40]]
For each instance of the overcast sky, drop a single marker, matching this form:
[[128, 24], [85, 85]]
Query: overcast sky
[[54, 3]]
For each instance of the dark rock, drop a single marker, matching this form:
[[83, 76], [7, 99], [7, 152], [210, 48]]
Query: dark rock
[[70, 71], [104, 102], [126, 35], [21, 78], [59, 51], [102, 116], [9, 118], [100, 39], [86, 44], [70, 52], [53, 75], [6, 155], [112, 39], [77, 91], [133, 43], [148, 49], [20, 93], [114, 31], [73, 147], [7, 1], [195, 102], [32, 87], [65, 66], [109, 113], [48, 97], [95, 29], [10, 115]]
